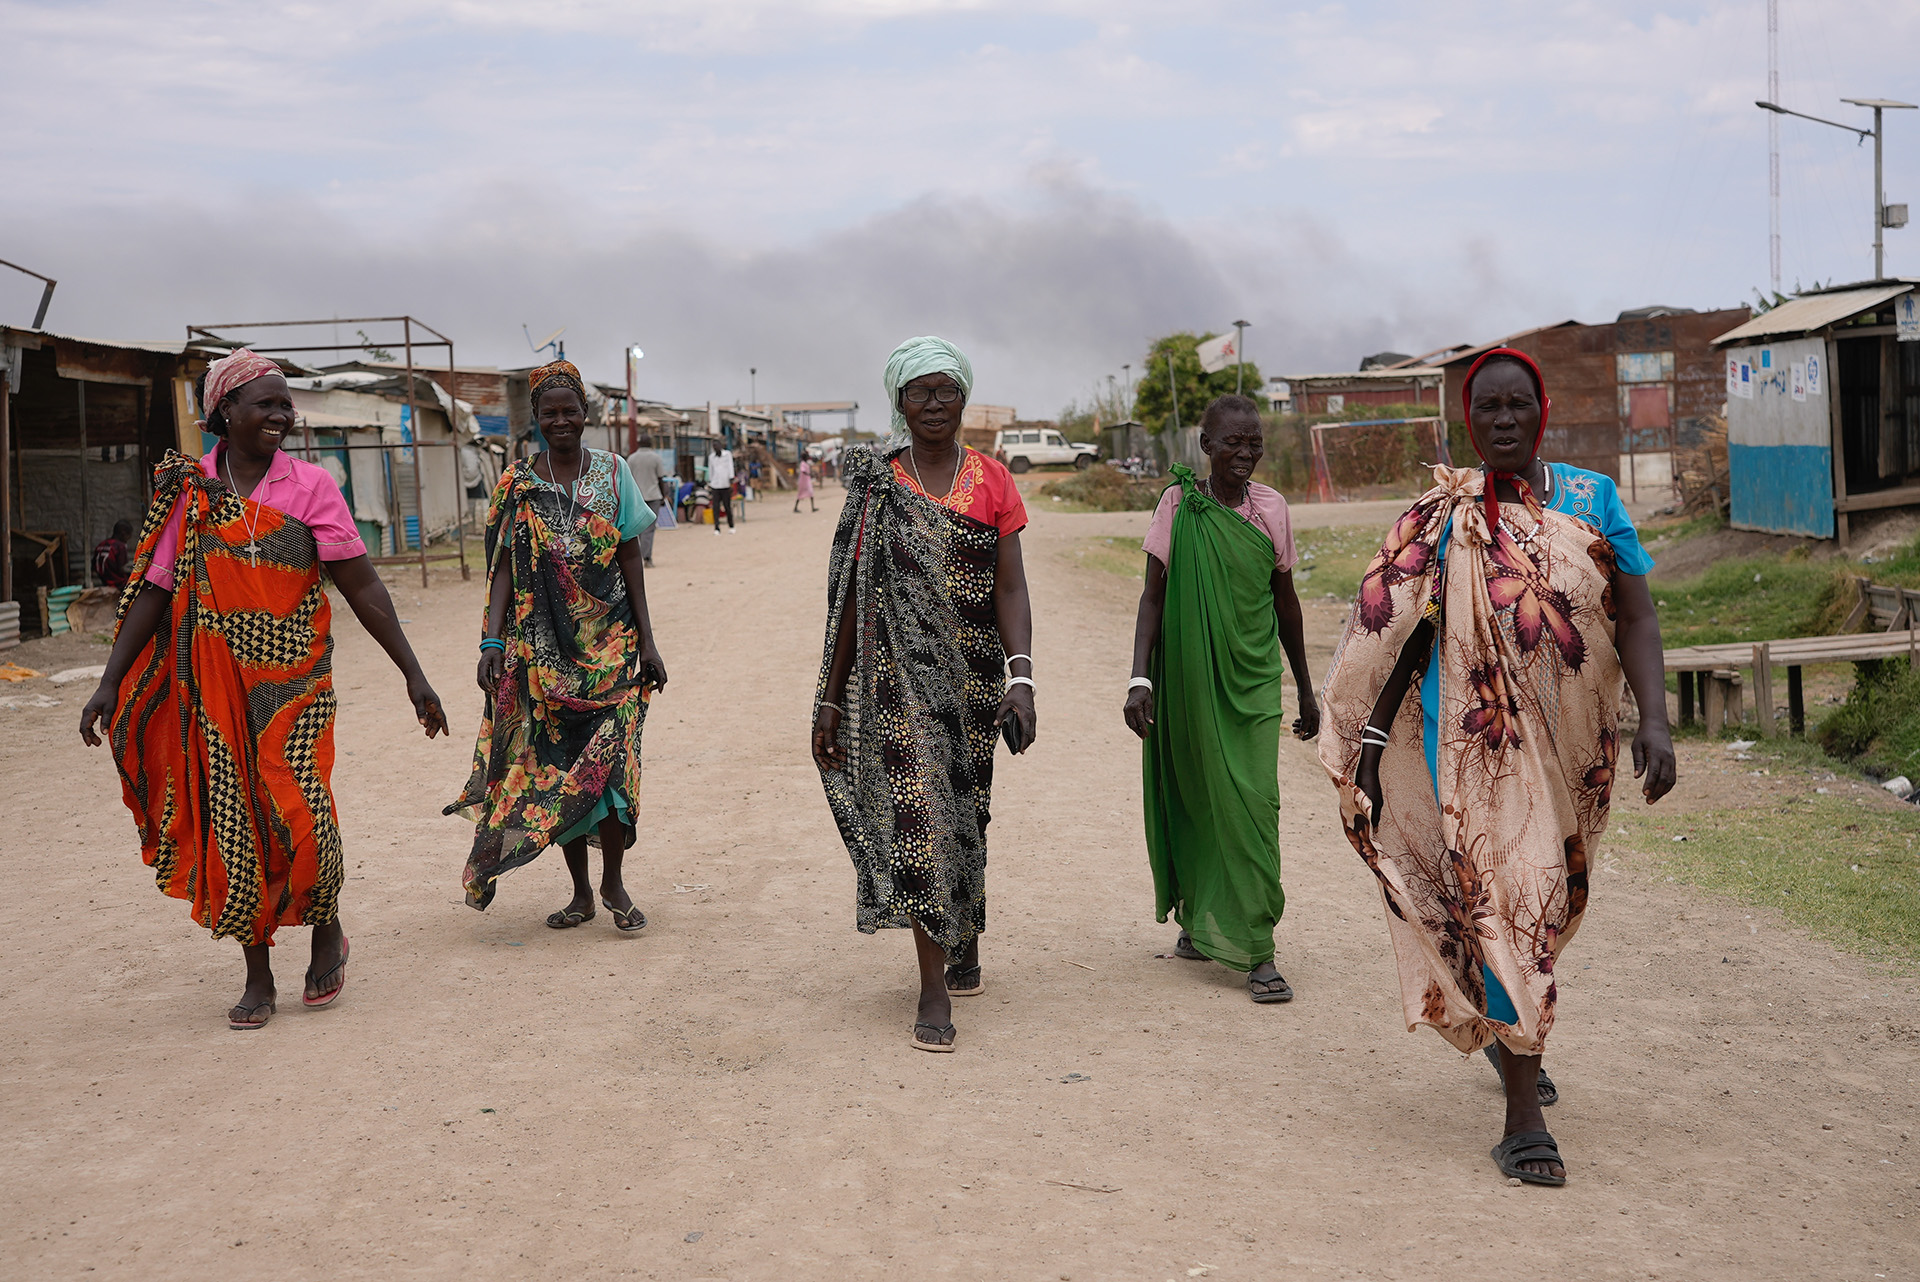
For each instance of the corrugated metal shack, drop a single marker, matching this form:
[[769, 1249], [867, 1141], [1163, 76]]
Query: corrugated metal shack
[[1823, 408], [86, 420]]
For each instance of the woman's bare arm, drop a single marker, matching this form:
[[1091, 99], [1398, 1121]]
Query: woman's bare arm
[[143, 620], [1146, 635], [1636, 634]]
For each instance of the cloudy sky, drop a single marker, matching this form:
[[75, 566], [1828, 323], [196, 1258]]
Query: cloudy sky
[[795, 185]]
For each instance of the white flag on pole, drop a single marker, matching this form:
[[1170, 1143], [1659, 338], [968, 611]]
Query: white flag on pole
[[1218, 353]]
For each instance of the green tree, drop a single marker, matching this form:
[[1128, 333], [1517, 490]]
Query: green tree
[[1152, 402]]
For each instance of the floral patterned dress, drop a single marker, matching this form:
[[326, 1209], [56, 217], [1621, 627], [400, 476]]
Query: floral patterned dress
[[1482, 859], [559, 747]]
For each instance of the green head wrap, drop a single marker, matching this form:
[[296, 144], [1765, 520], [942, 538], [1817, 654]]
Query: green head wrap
[[925, 355]]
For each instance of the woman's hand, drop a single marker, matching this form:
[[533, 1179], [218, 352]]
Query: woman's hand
[[1652, 759], [1139, 710], [1366, 777], [106, 697], [493, 666], [1307, 724], [827, 752], [426, 705], [1017, 703], [653, 669]]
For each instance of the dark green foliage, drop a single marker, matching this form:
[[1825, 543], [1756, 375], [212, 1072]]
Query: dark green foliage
[[1152, 403]]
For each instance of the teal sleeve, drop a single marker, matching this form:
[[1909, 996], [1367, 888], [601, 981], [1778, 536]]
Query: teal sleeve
[[1628, 554], [633, 515]]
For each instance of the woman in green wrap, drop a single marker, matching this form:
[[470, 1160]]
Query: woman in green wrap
[[1205, 696]]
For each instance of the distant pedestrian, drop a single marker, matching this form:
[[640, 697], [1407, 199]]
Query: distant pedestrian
[[1217, 610], [803, 484], [567, 664], [218, 695], [1517, 598], [112, 556], [927, 613], [720, 484], [648, 474]]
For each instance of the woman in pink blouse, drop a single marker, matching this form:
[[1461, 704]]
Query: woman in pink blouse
[[218, 696]]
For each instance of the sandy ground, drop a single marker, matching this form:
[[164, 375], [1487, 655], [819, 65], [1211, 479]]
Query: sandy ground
[[732, 1093]]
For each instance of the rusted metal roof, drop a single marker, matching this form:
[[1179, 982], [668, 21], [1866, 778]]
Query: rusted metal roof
[[1811, 312]]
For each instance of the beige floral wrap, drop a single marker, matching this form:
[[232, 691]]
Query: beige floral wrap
[[1493, 869]]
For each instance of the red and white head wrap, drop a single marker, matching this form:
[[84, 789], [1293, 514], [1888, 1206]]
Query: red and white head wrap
[[229, 372], [1526, 362]]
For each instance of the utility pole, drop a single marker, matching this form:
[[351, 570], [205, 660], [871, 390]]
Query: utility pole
[[753, 386], [1773, 143], [633, 416], [1884, 215], [1126, 372], [1240, 356]]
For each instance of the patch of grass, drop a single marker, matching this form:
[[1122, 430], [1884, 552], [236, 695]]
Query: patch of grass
[[1102, 489], [1111, 555], [1845, 868], [1878, 727], [1753, 599], [1332, 559]]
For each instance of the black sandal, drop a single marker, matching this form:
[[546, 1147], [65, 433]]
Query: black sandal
[[629, 919], [1265, 993], [1529, 1146], [568, 918], [248, 1024], [1549, 1093], [965, 981], [1183, 947], [944, 1046]]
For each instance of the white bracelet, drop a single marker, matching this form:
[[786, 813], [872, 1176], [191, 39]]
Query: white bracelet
[[1373, 734], [1023, 681], [1012, 657], [1140, 683]]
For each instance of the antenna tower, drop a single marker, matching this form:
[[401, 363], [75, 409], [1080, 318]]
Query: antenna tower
[[1773, 141]]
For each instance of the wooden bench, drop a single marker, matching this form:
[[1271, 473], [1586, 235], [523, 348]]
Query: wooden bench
[[1716, 669]]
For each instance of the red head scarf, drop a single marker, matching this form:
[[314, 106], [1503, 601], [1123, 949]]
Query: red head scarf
[[231, 371], [556, 374], [1466, 407]]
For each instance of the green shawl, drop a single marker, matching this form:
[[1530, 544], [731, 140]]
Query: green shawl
[[1211, 758]]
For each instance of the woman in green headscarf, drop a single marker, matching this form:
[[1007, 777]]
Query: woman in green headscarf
[[1205, 696], [926, 663]]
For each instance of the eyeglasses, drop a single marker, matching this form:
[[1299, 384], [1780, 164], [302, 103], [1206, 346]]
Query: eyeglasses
[[946, 395]]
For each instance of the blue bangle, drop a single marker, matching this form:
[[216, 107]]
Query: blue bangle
[[493, 643]]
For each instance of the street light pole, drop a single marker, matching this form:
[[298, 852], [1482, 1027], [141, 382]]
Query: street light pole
[[633, 354], [1127, 373], [753, 386], [1240, 356], [1880, 221]]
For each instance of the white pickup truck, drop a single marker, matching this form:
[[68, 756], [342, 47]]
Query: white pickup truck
[[1023, 448]]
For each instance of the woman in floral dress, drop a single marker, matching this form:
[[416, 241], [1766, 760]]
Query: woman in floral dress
[[567, 663], [1517, 598]]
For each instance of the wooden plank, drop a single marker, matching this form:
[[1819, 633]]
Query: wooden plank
[[1763, 690], [1716, 702], [1857, 615], [1900, 496], [1796, 702]]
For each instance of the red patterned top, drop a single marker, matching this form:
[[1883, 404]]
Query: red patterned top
[[983, 490]]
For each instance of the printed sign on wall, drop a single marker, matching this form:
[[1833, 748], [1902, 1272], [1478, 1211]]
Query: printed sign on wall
[[1813, 376], [1797, 380]]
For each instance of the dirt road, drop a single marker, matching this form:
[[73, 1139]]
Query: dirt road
[[732, 1094]]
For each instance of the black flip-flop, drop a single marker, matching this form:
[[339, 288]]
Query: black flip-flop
[[1284, 993], [1183, 948], [1549, 1093], [568, 918], [1529, 1146], [941, 1047], [965, 981], [630, 919], [248, 1025]]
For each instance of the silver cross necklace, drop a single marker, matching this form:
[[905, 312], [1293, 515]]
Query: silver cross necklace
[[252, 546]]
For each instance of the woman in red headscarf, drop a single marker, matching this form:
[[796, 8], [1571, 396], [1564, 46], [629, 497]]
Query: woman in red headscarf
[[218, 695], [1516, 597]]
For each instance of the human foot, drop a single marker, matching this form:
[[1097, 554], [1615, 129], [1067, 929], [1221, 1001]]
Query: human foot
[[626, 914], [1183, 947], [1266, 985], [327, 971], [963, 975], [1530, 1156], [579, 909], [933, 1027], [255, 1007]]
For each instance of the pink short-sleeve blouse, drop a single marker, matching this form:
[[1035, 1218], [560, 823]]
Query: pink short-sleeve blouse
[[302, 490], [1264, 507]]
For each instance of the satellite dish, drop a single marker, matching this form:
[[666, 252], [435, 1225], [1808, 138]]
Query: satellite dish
[[544, 343]]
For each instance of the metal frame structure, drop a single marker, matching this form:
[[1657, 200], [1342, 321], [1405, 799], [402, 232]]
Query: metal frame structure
[[206, 335]]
